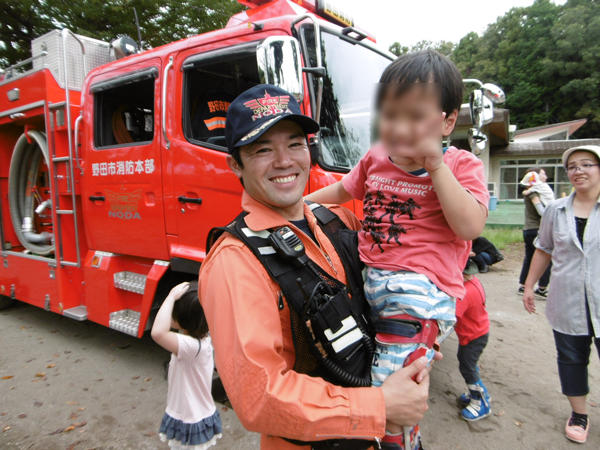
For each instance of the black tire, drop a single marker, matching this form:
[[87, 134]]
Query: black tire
[[5, 302]]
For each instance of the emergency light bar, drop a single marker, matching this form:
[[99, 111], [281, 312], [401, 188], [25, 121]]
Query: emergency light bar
[[331, 10]]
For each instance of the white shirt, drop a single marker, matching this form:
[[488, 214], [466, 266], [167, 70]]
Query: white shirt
[[189, 397]]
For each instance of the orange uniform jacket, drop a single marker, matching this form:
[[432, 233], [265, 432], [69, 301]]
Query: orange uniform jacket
[[254, 351]]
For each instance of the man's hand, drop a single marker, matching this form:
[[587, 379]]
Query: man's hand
[[405, 399]]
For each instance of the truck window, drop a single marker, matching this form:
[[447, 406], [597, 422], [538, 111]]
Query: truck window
[[211, 82], [124, 109], [346, 110]]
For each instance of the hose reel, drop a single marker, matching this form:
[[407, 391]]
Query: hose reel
[[29, 193]]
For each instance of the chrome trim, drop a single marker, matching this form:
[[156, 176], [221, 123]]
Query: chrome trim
[[317, 27], [164, 102], [19, 109], [28, 256], [76, 133], [65, 33]]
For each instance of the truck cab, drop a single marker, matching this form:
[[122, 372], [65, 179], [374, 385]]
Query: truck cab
[[130, 162]]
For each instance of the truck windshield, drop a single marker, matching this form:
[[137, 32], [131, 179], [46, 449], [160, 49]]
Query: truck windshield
[[353, 70]]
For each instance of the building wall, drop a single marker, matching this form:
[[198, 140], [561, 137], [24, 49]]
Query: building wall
[[507, 171]]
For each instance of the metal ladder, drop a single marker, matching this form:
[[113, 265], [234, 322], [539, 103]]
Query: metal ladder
[[68, 160]]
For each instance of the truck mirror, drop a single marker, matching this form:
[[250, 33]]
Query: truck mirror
[[477, 141], [278, 59], [494, 93], [481, 107]]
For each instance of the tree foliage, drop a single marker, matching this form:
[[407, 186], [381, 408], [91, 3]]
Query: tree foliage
[[444, 47], [160, 22], [547, 59]]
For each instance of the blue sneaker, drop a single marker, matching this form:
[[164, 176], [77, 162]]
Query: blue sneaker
[[479, 404], [464, 398]]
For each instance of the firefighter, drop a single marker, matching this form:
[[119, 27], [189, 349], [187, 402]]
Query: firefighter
[[257, 358]]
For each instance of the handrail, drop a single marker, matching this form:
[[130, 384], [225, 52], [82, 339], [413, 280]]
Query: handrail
[[65, 33], [164, 102], [76, 133], [9, 70], [317, 28]]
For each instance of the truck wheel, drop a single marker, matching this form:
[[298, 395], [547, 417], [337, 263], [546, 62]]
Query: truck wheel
[[5, 302]]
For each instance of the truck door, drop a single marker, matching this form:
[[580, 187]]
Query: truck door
[[122, 191], [205, 193]]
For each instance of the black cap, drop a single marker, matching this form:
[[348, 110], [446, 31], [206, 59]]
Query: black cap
[[256, 110]]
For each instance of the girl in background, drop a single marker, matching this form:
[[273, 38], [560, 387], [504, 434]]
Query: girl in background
[[191, 419]]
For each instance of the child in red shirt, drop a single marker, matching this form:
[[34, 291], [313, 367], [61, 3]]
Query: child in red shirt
[[472, 328], [422, 206]]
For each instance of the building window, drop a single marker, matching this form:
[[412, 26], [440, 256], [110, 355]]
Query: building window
[[513, 170]]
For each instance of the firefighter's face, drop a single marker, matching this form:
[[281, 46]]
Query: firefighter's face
[[275, 168]]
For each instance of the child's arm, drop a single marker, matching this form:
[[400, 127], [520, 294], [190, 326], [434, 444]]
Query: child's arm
[[334, 194], [161, 329], [537, 203], [464, 214]]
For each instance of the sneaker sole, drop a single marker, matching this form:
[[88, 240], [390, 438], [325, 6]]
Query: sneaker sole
[[477, 418], [575, 440]]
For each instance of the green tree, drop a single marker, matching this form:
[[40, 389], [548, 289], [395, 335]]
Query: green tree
[[444, 47], [547, 59], [398, 49], [160, 22]]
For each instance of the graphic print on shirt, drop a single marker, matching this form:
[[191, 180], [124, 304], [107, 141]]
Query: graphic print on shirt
[[393, 206]]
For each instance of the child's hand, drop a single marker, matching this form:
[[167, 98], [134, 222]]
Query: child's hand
[[428, 148], [178, 291]]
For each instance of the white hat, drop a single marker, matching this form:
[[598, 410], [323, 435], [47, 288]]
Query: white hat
[[595, 149]]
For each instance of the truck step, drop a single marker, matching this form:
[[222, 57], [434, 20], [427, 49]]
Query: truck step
[[130, 281], [77, 312], [126, 321]]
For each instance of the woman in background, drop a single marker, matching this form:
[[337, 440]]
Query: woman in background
[[569, 236]]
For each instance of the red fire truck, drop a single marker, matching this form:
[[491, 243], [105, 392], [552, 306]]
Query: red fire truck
[[112, 161]]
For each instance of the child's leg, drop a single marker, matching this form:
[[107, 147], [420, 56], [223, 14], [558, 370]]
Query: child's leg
[[399, 301], [468, 356], [477, 401]]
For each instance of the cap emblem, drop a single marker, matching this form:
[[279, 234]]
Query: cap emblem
[[268, 106]]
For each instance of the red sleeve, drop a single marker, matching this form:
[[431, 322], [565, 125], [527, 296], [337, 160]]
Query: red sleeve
[[355, 181], [470, 173]]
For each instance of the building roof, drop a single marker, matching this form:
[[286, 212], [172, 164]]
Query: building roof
[[547, 130], [541, 147]]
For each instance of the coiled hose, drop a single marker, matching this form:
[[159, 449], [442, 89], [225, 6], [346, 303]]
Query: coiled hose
[[22, 176]]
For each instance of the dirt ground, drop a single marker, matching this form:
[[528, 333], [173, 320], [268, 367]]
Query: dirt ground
[[70, 385]]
